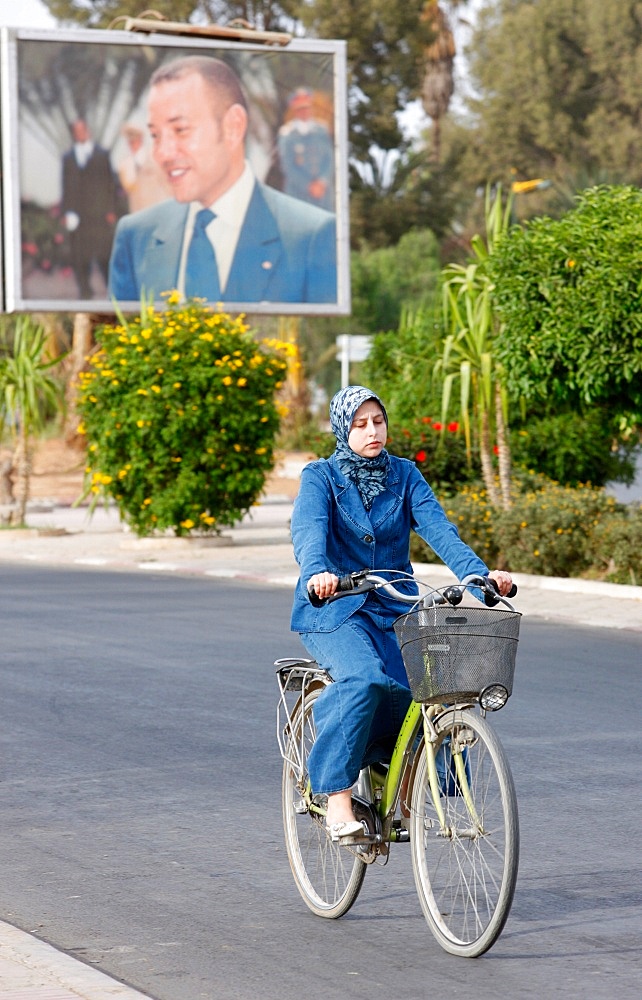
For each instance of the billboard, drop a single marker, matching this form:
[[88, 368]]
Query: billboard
[[142, 165]]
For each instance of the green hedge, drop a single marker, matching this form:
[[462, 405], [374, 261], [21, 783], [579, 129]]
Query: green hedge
[[550, 530]]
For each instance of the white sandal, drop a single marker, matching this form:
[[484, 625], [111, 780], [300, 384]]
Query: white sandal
[[338, 831]]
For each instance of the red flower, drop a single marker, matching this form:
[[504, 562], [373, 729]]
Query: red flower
[[426, 420], [453, 427], [438, 427], [495, 450], [420, 456]]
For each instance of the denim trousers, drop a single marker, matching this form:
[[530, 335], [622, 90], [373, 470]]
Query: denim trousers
[[358, 717]]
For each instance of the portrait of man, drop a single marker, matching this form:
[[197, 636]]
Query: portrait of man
[[306, 152], [89, 206], [224, 235]]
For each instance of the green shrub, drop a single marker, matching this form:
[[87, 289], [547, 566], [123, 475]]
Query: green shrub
[[576, 447], [179, 412], [550, 529], [617, 546], [440, 453]]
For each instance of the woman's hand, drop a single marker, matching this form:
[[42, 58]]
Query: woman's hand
[[503, 580], [323, 584]]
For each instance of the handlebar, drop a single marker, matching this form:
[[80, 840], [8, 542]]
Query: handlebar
[[364, 581]]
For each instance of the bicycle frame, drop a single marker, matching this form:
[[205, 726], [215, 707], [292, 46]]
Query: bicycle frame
[[296, 675]]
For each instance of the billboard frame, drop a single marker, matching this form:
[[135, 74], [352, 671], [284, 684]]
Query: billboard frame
[[18, 286]]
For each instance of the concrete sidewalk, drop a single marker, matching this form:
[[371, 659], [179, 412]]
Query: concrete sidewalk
[[30, 969], [257, 550]]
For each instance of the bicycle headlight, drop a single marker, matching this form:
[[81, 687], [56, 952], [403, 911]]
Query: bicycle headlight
[[493, 697]]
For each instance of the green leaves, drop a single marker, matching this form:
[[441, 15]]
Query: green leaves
[[569, 295], [180, 417], [28, 391]]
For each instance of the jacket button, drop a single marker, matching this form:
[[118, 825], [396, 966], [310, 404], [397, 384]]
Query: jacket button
[[368, 538]]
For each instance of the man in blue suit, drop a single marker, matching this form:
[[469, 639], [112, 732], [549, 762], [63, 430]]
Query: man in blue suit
[[225, 236]]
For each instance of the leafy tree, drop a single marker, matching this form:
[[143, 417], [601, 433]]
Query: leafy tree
[[569, 297], [558, 84], [28, 394]]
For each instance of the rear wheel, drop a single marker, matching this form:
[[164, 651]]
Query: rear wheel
[[328, 876], [466, 869]]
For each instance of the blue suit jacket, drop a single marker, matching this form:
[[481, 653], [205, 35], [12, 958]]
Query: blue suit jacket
[[286, 252], [332, 530]]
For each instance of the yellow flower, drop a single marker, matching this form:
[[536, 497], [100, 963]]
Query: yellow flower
[[260, 451], [188, 523], [141, 392], [146, 502], [227, 380], [140, 423], [237, 447], [241, 381], [81, 429], [156, 388]]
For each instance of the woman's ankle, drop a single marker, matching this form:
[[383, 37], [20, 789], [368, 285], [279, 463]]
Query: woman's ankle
[[340, 808]]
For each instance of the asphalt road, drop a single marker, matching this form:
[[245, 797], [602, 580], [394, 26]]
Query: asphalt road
[[140, 825]]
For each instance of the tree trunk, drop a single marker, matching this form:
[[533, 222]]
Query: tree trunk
[[503, 448], [80, 348], [486, 456], [22, 465]]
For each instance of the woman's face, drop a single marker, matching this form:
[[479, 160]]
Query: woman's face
[[369, 432]]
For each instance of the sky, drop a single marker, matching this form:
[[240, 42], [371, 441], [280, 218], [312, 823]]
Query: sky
[[25, 14]]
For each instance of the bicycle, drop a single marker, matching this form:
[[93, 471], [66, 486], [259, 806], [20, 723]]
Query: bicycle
[[447, 789]]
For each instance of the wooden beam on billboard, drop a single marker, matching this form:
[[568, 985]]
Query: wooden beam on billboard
[[232, 32]]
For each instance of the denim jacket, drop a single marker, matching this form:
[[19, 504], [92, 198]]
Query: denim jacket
[[332, 531]]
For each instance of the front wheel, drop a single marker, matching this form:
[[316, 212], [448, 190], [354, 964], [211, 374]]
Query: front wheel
[[328, 876], [465, 861]]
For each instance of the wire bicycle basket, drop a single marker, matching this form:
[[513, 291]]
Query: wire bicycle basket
[[459, 654]]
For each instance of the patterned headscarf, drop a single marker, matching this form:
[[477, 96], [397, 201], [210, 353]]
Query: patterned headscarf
[[368, 474]]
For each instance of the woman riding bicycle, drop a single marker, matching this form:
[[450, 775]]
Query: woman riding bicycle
[[355, 511]]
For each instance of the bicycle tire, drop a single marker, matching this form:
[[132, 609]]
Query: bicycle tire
[[466, 878], [328, 877]]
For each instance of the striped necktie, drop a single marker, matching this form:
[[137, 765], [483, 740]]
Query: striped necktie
[[201, 273]]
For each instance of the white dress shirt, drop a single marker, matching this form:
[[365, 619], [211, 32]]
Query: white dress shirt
[[223, 232]]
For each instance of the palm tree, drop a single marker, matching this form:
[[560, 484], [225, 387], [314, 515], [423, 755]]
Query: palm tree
[[467, 354], [27, 393], [438, 85]]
